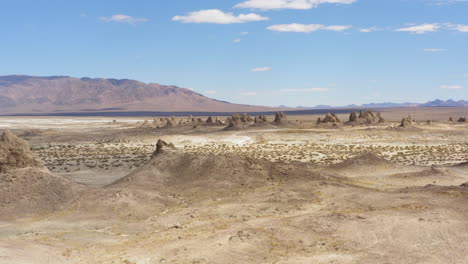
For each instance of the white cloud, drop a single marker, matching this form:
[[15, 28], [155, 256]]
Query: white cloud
[[421, 29], [245, 33], [217, 16], [368, 30], [306, 28], [451, 87], [123, 19], [466, 75], [307, 90], [237, 40], [289, 4], [434, 50], [210, 92], [461, 28], [248, 94], [261, 69]]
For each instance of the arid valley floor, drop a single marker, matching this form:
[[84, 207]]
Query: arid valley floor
[[98, 190]]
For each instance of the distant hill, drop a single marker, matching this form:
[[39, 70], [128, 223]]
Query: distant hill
[[449, 103], [435, 103], [29, 94]]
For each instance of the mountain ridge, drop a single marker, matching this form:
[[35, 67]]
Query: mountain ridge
[[434, 103], [36, 94]]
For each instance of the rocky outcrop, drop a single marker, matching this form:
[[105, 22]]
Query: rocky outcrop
[[234, 122], [169, 123], [280, 118], [329, 118], [145, 124], [380, 118], [26, 186], [162, 147], [245, 118], [15, 153], [261, 119], [406, 122], [209, 121], [365, 117], [462, 120]]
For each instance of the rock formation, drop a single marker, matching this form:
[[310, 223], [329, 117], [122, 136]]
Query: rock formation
[[406, 122], [353, 117], [234, 122], [280, 118], [169, 123], [365, 117], [329, 118], [26, 186], [380, 118], [245, 118], [261, 119], [462, 120], [210, 121], [162, 146], [145, 124], [15, 153]]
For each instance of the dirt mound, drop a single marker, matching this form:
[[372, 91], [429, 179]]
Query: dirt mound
[[15, 153], [33, 191], [169, 166], [26, 186], [366, 160]]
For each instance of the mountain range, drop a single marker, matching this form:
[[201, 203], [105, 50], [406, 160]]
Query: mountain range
[[435, 103], [21, 94], [30, 94]]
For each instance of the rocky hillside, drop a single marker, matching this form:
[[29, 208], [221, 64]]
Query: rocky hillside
[[27, 94]]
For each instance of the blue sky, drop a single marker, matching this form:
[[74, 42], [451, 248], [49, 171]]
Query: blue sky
[[266, 52]]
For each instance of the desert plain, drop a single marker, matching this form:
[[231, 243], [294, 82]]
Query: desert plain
[[144, 190]]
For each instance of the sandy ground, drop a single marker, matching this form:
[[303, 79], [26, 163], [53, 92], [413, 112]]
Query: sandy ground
[[295, 194]]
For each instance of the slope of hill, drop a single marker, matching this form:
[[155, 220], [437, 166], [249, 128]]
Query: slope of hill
[[28, 94]]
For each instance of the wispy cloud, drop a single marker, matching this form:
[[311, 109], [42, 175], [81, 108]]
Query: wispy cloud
[[288, 4], [237, 40], [216, 16], [421, 29], [445, 2], [370, 29], [307, 90], [451, 87], [124, 19], [458, 27], [261, 69], [302, 28], [434, 50]]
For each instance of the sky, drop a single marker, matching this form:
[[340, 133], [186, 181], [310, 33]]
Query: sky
[[262, 52]]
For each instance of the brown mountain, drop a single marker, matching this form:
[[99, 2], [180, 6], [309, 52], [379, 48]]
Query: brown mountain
[[28, 94]]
